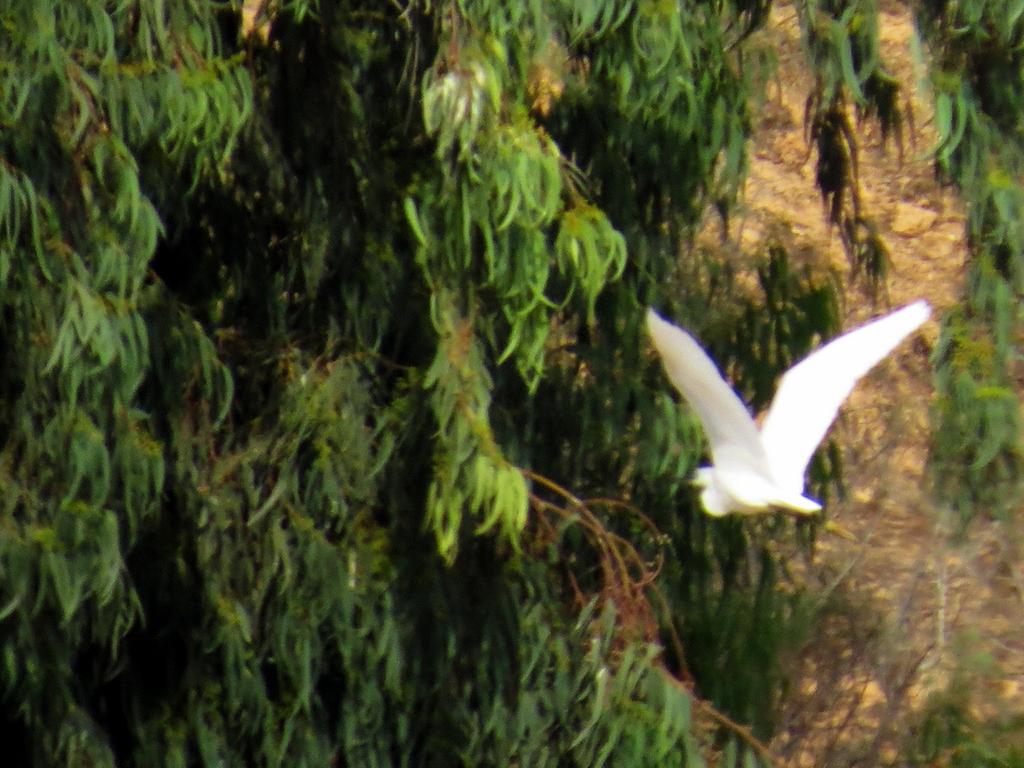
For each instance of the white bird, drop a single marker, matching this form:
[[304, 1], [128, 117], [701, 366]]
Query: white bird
[[755, 470]]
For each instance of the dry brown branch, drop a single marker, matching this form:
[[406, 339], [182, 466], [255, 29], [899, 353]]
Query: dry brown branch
[[630, 583]]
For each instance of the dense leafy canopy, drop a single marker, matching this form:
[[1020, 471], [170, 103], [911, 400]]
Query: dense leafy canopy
[[310, 319]]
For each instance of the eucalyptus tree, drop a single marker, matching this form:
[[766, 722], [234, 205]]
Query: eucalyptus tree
[[329, 435]]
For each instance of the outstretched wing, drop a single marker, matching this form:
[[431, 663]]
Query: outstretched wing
[[735, 441], [811, 392]]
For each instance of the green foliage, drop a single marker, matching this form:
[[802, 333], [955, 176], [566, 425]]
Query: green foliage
[[286, 318], [978, 90], [303, 331], [950, 738], [951, 733], [86, 92], [737, 631], [841, 43], [976, 456], [470, 471]]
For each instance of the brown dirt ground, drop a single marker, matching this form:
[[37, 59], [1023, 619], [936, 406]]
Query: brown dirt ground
[[907, 604]]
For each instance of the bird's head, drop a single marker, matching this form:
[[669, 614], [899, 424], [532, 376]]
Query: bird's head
[[714, 503]]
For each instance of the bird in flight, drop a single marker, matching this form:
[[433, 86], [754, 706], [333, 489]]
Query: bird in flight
[[755, 470]]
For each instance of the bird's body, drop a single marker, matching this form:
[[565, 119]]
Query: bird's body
[[747, 492], [756, 470]]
